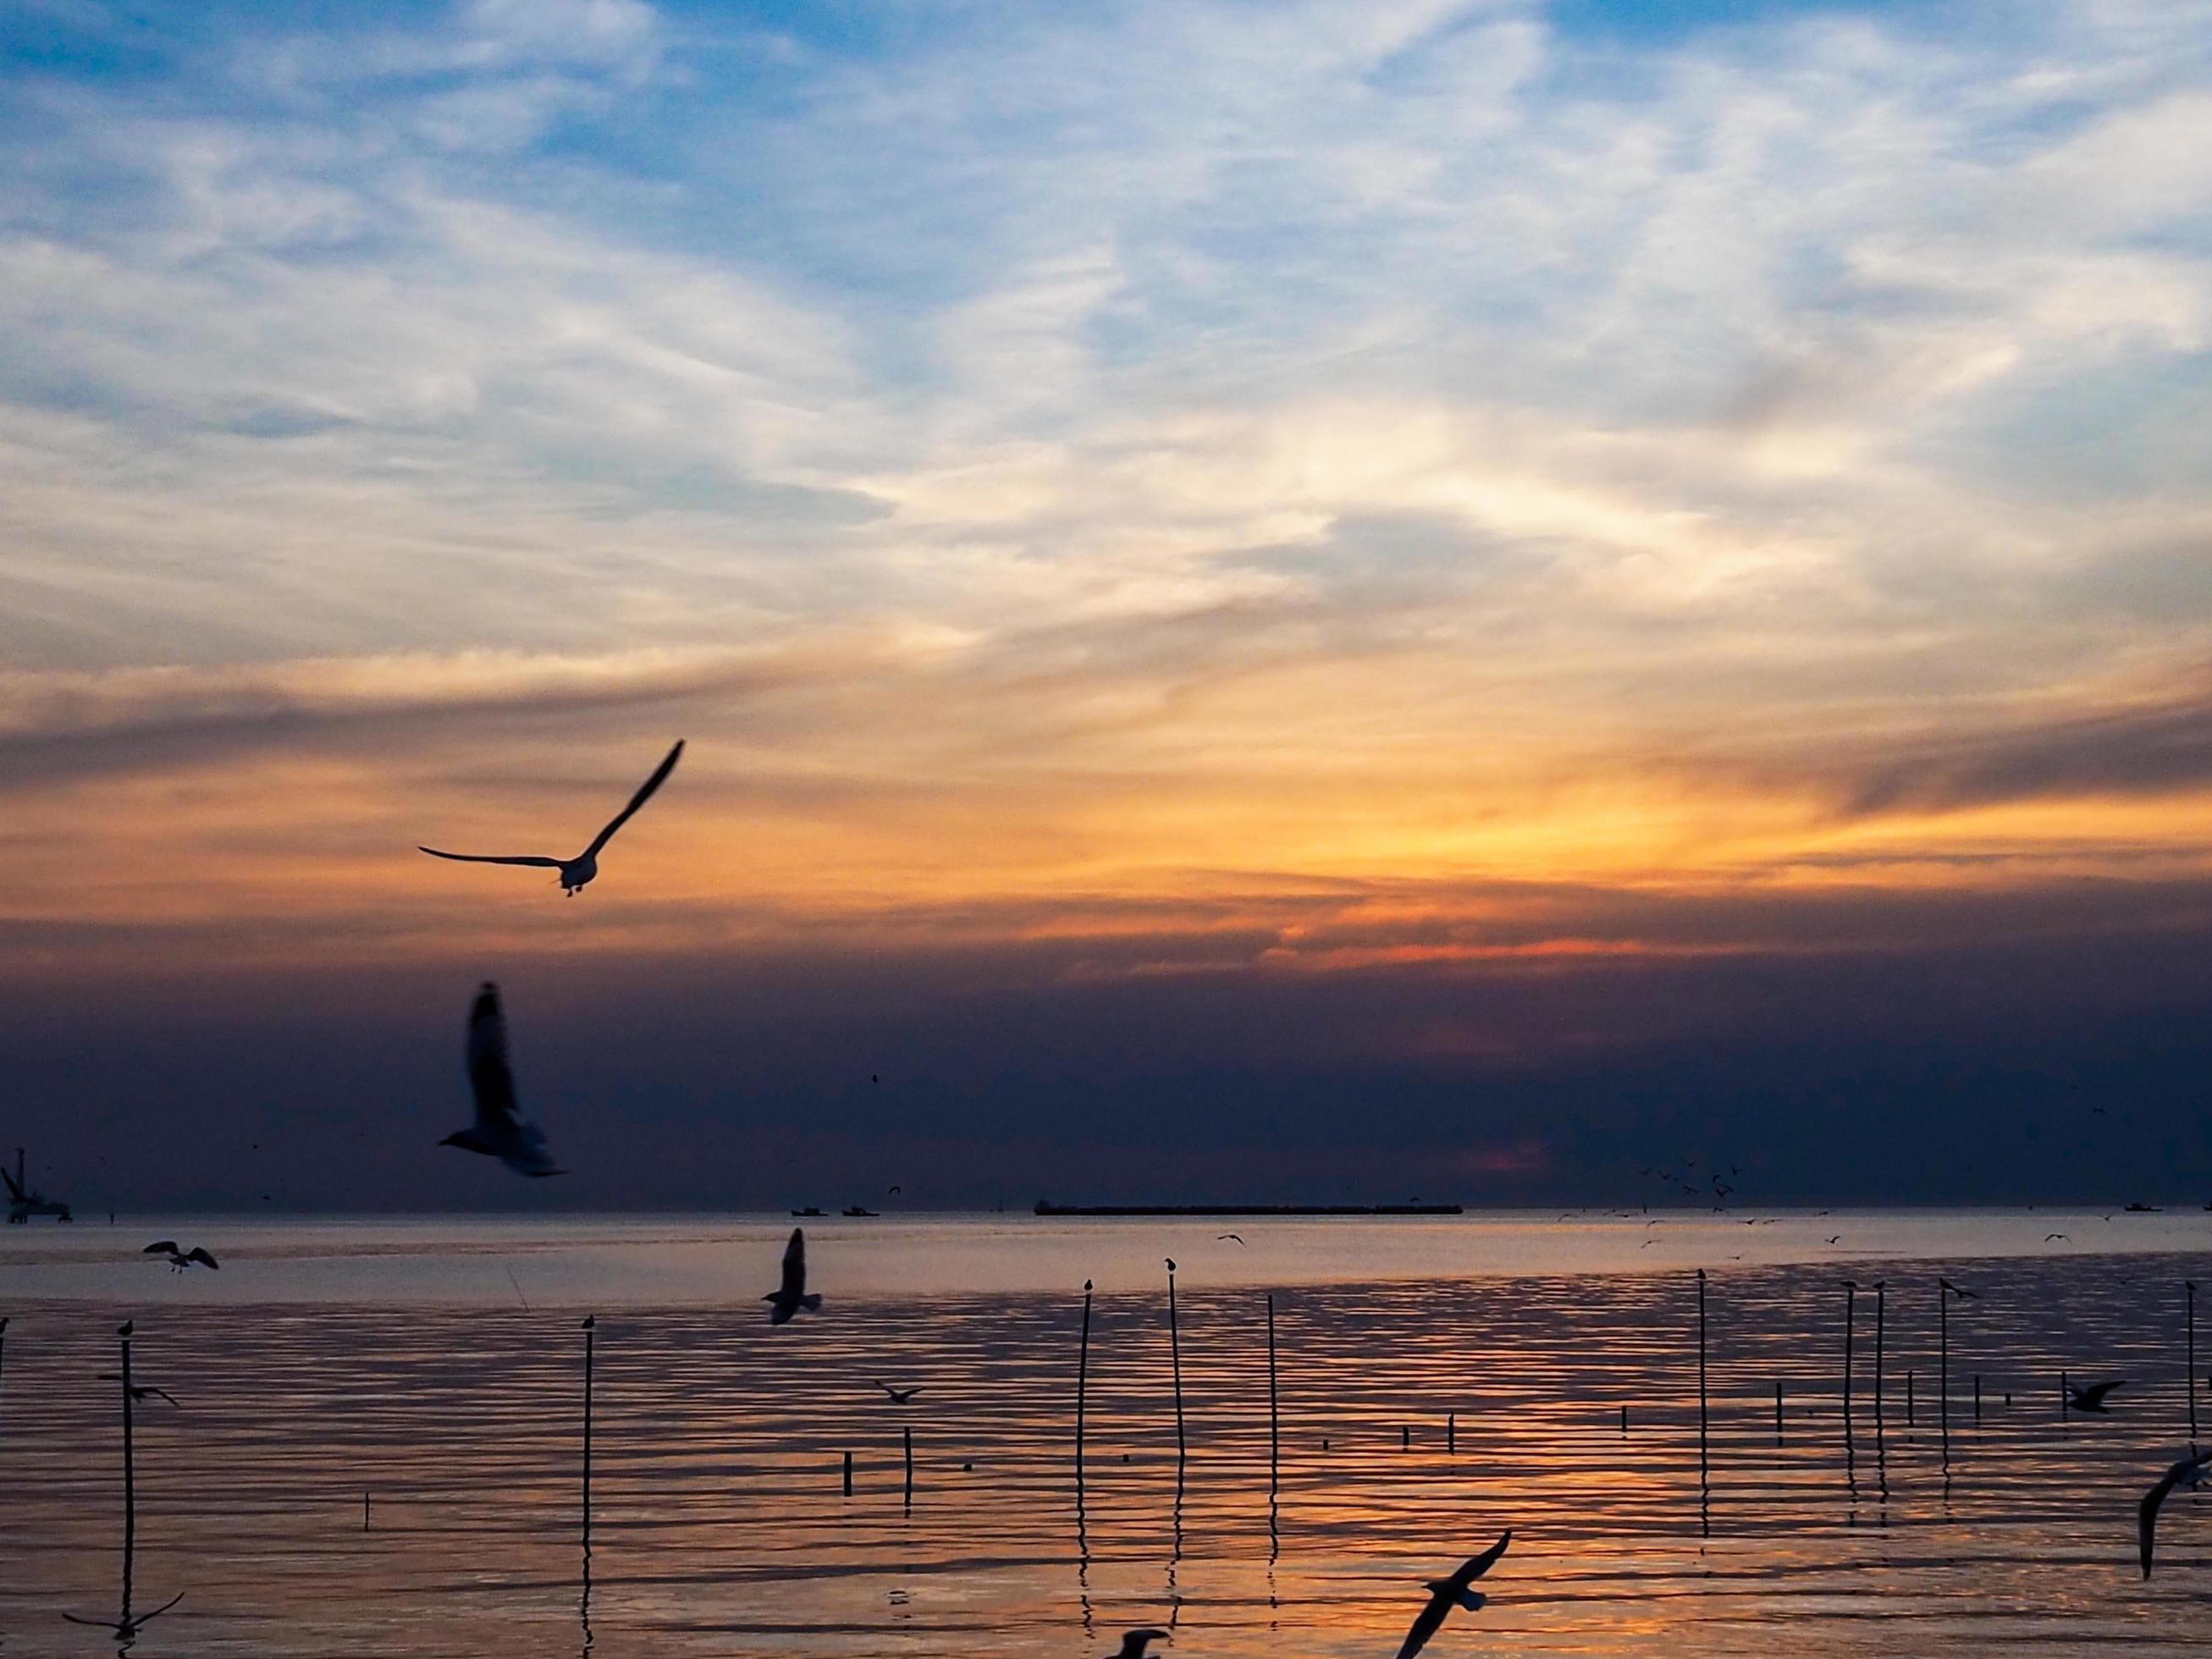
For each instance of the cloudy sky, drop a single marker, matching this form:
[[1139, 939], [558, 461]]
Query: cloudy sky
[[1278, 600]]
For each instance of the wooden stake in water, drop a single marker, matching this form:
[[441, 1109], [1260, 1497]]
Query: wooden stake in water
[[849, 1475], [1274, 1412], [590, 1335], [3, 1359], [1451, 1433], [1943, 1375], [1082, 1382], [364, 1511], [1701, 1376], [908, 1436], [1912, 1416], [1880, 1299], [1777, 1411], [1978, 1396], [2189, 1373], [129, 1470], [1175, 1352], [1850, 1319]]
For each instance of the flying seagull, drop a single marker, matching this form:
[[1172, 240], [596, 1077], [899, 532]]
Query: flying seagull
[[1239, 1237], [2189, 1471], [2047, 1237], [791, 1296], [1133, 1642], [579, 869], [140, 1392], [899, 1396], [2092, 1399], [499, 1130], [1963, 1296], [1445, 1593], [126, 1629], [180, 1260]]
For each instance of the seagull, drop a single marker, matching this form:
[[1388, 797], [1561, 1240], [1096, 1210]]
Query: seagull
[[1963, 1296], [499, 1130], [140, 1392], [899, 1396], [2189, 1471], [791, 1296], [1445, 1593], [2092, 1399], [579, 870], [2047, 1237], [126, 1630], [1170, 1261], [180, 1260], [1835, 1238], [1239, 1237], [1133, 1642]]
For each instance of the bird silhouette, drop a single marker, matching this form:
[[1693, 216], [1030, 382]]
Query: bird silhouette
[[1170, 1261], [1963, 1296], [788, 1297], [142, 1392], [2188, 1472], [126, 1629], [1445, 1593], [1135, 1642], [1835, 1238], [180, 1260], [577, 873], [2047, 1237], [1239, 1237], [899, 1396], [2092, 1399], [499, 1130]]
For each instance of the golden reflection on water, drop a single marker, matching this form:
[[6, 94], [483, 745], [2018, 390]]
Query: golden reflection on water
[[719, 1526]]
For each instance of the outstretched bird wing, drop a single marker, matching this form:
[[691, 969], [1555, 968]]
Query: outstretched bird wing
[[1475, 1566], [795, 1267], [1447, 1594], [13, 1191], [1430, 1622], [531, 859], [199, 1253], [2146, 1514], [2093, 1395], [160, 1247], [644, 795], [489, 1078]]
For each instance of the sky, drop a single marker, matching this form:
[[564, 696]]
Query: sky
[[1267, 601]]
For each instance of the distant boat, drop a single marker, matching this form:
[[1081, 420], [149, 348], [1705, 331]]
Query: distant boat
[[854, 1209], [1045, 1206], [809, 1210], [2149, 1209]]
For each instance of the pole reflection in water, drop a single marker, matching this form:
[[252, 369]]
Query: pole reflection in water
[[126, 1626]]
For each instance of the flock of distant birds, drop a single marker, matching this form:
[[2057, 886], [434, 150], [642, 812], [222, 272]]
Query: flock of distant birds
[[499, 1130]]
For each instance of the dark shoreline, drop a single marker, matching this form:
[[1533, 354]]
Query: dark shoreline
[[1045, 1206]]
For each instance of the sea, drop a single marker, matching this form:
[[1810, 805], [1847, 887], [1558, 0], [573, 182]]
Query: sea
[[1769, 1432]]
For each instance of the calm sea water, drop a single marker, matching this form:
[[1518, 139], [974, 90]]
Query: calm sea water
[[395, 1358]]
